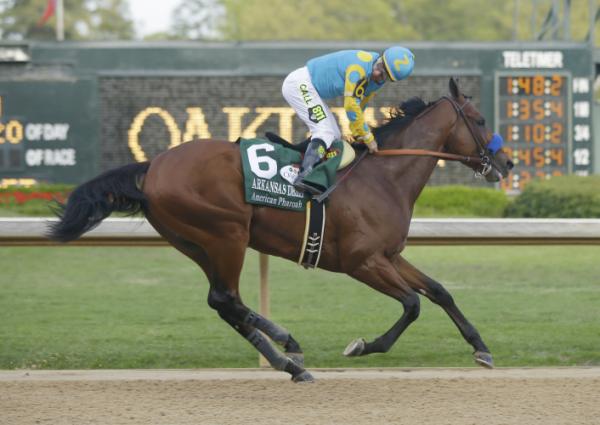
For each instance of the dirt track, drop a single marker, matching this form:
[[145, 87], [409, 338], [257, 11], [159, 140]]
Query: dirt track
[[229, 397]]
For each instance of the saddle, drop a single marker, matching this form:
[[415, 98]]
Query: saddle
[[271, 166], [269, 172]]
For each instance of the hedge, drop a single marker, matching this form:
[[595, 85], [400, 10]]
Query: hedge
[[564, 197], [460, 201]]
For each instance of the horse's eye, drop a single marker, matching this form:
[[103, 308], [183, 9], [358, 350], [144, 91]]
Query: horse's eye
[[481, 122]]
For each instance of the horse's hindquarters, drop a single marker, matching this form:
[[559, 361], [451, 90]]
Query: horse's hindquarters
[[198, 184]]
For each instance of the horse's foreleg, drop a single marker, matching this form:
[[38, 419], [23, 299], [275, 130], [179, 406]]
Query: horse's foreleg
[[440, 296], [248, 324], [382, 276]]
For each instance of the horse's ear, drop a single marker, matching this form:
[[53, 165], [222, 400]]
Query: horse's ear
[[453, 84]]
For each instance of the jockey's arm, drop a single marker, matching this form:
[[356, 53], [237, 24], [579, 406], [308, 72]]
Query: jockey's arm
[[355, 102], [358, 127], [366, 100]]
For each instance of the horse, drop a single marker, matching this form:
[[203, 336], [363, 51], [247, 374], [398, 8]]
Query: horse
[[193, 196]]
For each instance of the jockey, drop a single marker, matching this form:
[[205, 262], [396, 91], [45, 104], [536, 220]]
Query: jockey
[[354, 74]]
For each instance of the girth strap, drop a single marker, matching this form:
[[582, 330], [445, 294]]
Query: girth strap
[[313, 234]]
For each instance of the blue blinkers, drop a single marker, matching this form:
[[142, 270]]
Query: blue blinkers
[[495, 144]]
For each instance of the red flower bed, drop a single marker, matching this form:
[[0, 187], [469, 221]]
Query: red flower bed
[[22, 197]]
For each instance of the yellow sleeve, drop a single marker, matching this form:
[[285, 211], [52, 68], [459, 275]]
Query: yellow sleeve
[[355, 102], [366, 100]]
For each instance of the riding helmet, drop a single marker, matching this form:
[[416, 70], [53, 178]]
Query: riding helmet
[[399, 62]]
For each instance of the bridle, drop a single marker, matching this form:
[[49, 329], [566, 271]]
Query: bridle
[[483, 159], [486, 162]]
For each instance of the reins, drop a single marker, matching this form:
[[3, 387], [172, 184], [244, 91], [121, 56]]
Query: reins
[[423, 152]]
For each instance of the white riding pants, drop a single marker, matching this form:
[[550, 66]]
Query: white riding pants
[[300, 93]]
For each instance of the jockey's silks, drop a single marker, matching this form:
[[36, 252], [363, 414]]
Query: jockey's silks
[[346, 73]]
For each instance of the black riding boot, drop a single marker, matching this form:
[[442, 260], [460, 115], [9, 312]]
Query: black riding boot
[[313, 155]]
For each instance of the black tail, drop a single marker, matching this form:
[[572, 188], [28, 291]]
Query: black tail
[[93, 201]]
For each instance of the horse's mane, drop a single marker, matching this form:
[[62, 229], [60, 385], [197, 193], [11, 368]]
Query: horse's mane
[[400, 117]]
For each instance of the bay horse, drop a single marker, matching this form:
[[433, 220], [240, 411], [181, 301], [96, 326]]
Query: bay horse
[[193, 196]]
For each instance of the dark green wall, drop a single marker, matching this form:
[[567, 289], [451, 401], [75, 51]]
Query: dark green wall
[[99, 88]]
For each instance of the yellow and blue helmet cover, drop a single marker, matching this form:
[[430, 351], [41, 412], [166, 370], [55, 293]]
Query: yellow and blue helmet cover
[[399, 62]]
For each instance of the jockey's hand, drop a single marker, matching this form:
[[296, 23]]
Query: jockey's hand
[[369, 140], [372, 147]]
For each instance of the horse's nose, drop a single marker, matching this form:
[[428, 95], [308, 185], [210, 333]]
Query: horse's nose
[[509, 165]]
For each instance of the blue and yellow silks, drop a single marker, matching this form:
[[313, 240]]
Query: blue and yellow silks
[[347, 73]]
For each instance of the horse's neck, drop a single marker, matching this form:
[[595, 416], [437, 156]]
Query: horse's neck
[[411, 173]]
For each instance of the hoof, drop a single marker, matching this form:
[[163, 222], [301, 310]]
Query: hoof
[[484, 359], [297, 358], [304, 377], [355, 348]]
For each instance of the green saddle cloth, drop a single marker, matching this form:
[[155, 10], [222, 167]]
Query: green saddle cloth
[[270, 170]]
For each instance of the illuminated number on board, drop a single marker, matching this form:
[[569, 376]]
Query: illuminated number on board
[[556, 85]]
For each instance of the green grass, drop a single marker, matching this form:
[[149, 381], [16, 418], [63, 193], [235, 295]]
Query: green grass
[[76, 307]]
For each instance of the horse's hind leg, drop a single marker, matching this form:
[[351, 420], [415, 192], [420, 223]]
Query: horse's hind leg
[[227, 257], [440, 296], [231, 309], [222, 262]]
